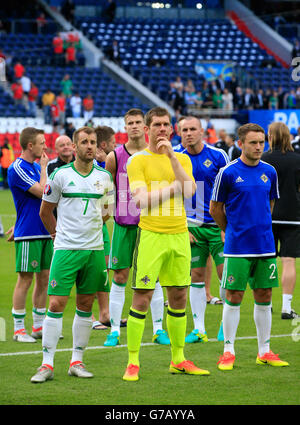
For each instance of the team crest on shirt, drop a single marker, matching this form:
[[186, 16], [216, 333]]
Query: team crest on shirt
[[264, 178], [207, 163], [47, 189], [145, 280], [98, 185], [34, 264], [230, 279], [53, 283]]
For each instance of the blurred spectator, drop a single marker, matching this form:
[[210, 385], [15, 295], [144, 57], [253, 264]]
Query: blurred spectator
[[211, 135], [179, 101], [291, 100], [48, 99], [18, 93], [227, 98], [238, 98], [88, 107], [178, 84], [189, 96], [296, 49], [69, 129], [66, 85], [221, 142], [259, 99], [6, 158], [58, 49], [217, 99], [190, 86], [232, 84], [249, 98], [55, 113], [273, 101], [280, 95], [199, 98], [113, 52], [26, 85], [206, 95], [41, 22], [232, 151], [61, 103], [70, 55], [266, 96], [68, 11], [19, 70], [32, 99], [75, 104], [109, 10]]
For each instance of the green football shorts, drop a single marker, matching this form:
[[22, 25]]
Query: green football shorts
[[122, 247], [106, 239], [86, 268], [208, 241], [167, 256], [259, 272], [33, 255]]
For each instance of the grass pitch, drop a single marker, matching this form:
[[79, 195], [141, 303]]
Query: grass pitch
[[247, 384]]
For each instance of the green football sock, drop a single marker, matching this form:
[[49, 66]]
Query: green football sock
[[135, 330], [176, 323]]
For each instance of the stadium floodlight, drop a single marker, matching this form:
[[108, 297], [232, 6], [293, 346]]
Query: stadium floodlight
[[199, 5]]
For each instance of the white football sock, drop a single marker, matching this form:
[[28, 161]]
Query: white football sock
[[286, 303], [38, 316], [231, 318], [82, 326], [19, 317], [198, 305], [157, 308], [222, 293], [116, 304], [263, 321], [52, 328]]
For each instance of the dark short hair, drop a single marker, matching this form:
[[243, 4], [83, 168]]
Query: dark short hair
[[156, 112], [29, 135], [103, 133], [246, 128], [133, 112], [85, 129]]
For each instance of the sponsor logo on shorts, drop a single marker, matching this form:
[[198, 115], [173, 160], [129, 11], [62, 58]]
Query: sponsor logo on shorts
[[115, 260], [47, 189], [53, 283], [264, 178], [230, 279], [207, 163], [145, 280], [34, 264]]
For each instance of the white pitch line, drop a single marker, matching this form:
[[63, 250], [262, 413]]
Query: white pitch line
[[101, 347]]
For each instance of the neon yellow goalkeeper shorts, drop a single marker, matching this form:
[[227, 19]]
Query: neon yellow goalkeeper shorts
[[161, 255]]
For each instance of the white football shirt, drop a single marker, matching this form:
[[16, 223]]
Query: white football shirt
[[81, 200]]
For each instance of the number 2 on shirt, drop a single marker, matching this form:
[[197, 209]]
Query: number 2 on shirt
[[86, 204]]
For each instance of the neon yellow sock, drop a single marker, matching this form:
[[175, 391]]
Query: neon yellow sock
[[135, 330], [176, 323]]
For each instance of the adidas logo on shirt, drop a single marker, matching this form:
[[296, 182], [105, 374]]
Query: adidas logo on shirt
[[71, 183], [239, 180]]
